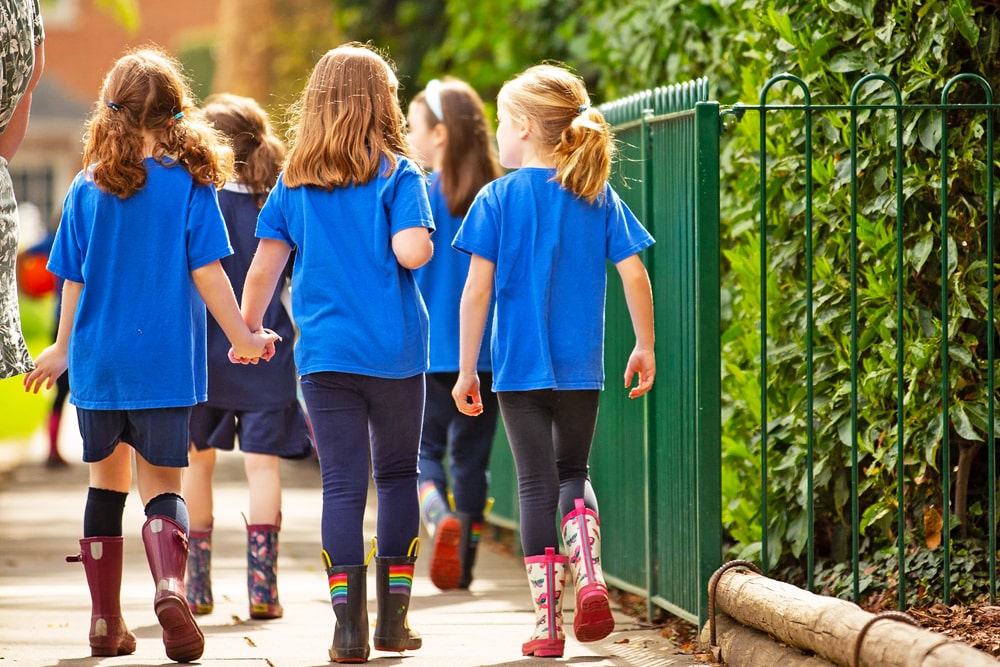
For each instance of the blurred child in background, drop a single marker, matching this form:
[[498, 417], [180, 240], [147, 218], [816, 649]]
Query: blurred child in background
[[254, 404], [449, 132]]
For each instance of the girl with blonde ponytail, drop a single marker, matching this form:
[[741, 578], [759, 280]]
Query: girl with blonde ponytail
[[540, 238]]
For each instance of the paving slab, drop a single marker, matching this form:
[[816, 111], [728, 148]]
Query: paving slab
[[45, 604]]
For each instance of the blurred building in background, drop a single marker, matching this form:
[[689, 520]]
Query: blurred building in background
[[81, 43]]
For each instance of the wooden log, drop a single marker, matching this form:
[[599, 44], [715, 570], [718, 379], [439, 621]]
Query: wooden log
[[829, 627], [742, 646]]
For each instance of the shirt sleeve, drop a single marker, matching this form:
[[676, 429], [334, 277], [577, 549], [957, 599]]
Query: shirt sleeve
[[625, 234], [271, 222], [208, 239], [410, 205], [480, 230], [65, 257]]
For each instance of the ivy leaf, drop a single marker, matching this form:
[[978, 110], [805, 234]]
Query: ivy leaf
[[921, 251], [962, 14], [963, 426], [852, 61]]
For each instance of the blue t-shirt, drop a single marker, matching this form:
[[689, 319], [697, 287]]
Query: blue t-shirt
[[551, 250], [441, 281], [139, 333], [237, 386], [357, 309]]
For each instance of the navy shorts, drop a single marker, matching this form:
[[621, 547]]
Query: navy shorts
[[281, 432], [159, 435]]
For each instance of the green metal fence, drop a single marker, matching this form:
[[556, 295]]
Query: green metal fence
[[882, 240], [655, 463]]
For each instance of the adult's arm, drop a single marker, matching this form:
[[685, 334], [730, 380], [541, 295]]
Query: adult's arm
[[13, 134]]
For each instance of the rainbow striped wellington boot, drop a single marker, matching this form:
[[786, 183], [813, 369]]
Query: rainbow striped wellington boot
[[349, 597], [393, 585]]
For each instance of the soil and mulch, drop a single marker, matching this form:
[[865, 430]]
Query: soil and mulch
[[976, 625]]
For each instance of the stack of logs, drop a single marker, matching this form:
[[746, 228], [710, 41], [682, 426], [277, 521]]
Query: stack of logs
[[760, 622]]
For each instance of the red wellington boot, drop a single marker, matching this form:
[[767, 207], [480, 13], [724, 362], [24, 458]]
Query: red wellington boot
[[167, 553], [102, 562]]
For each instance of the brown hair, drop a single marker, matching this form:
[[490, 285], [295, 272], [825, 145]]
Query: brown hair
[[470, 160], [346, 121], [258, 153], [556, 103], [143, 93]]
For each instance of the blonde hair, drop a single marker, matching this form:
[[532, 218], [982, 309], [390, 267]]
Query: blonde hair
[[555, 102], [258, 152], [346, 121], [146, 92], [470, 160]]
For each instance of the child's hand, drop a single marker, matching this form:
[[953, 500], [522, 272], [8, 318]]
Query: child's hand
[[259, 346], [643, 363], [466, 394], [49, 365]]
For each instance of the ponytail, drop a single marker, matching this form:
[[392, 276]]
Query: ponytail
[[556, 102], [583, 155]]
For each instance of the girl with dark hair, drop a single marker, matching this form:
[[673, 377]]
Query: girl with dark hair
[[449, 132], [269, 425]]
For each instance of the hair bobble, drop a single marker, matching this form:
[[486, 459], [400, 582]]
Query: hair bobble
[[114, 106], [178, 115], [580, 109]]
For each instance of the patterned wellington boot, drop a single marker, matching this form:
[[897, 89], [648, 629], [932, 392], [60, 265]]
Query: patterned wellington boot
[[262, 570], [167, 550], [468, 545], [546, 577], [393, 585], [199, 572], [102, 562], [349, 597], [581, 530]]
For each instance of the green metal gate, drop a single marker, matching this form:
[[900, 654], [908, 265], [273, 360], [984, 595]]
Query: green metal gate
[[899, 341]]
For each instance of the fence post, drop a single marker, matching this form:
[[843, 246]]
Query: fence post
[[708, 345]]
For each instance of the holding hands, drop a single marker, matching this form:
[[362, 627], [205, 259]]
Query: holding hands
[[259, 345]]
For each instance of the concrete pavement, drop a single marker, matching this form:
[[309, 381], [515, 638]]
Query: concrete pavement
[[45, 604]]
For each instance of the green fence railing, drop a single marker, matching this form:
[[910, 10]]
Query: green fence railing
[[912, 288], [655, 462]]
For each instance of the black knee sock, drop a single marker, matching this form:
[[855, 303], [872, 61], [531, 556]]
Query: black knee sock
[[171, 506], [102, 515]]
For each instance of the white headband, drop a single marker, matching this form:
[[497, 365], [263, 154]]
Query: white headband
[[432, 95]]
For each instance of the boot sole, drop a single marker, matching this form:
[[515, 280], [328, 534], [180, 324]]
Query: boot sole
[[349, 655], [266, 612], [544, 648], [106, 645], [593, 620], [446, 566], [410, 644], [182, 638], [124, 647]]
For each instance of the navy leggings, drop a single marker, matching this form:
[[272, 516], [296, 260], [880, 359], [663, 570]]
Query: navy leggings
[[360, 421], [550, 434], [466, 442]]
